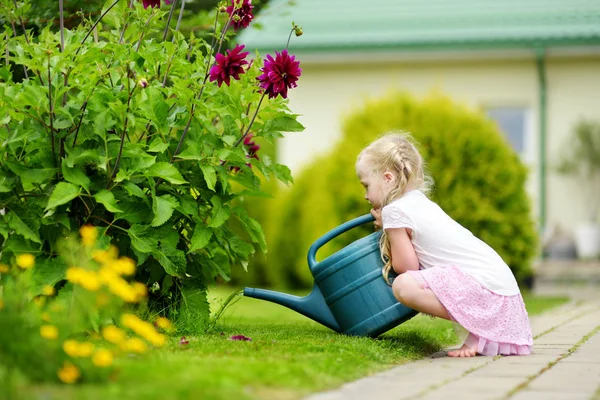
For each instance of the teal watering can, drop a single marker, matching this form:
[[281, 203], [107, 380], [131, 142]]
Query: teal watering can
[[350, 295]]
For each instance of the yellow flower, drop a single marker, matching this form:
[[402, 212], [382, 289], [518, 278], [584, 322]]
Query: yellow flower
[[4, 269], [140, 289], [121, 288], [89, 234], [163, 323], [68, 373], [91, 282], [48, 290], [157, 339], [113, 334], [85, 349], [83, 277], [75, 349], [123, 266], [102, 358], [25, 261], [134, 345], [49, 332], [143, 328], [106, 256], [71, 347]]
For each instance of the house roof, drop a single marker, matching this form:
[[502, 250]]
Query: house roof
[[340, 26]]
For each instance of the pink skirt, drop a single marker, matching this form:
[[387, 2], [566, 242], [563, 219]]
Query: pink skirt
[[497, 324]]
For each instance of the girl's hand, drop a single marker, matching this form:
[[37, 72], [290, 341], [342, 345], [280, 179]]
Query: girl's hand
[[376, 213]]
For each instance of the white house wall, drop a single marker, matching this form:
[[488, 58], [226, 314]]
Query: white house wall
[[326, 93]]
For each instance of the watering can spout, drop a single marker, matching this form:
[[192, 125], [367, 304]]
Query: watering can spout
[[312, 306]]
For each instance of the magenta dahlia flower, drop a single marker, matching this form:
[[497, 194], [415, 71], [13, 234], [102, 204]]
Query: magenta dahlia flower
[[154, 3], [242, 16], [230, 65], [252, 147], [279, 74]]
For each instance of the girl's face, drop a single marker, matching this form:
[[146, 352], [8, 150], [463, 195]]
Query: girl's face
[[376, 185]]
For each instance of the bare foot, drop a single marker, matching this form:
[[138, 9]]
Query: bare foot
[[464, 351]]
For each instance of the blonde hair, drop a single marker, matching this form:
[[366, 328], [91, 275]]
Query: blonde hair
[[395, 152]]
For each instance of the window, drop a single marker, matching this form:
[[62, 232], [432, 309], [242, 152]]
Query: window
[[513, 122]]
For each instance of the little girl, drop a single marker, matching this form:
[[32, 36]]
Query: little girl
[[444, 270]]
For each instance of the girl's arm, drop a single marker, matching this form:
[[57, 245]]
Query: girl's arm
[[403, 254]]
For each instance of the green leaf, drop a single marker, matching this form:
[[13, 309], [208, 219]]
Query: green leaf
[[21, 228], [75, 175], [253, 228], [171, 259], [210, 177], [283, 173], [142, 239], [163, 207], [46, 273], [134, 190], [188, 205], [6, 184], [33, 176], [284, 124], [103, 123], [167, 172], [107, 199], [63, 193], [240, 247], [201, 237], [158, 146], [220, 262], [220, 212]]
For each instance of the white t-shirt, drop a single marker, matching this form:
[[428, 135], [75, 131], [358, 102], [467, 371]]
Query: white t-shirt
[[439, 241]]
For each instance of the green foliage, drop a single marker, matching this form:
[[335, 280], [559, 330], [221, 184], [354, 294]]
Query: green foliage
[[80, 326], [582, 158], [479, 181], [120, 129]]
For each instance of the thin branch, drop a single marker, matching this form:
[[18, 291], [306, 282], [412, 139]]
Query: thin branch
[[7, 52], [62, 26], [95, 23], [137, 47], [22, 23], [169, 20], [251, 121], [51, 106], [289, 37], [115, 169], [125, 25], [179, 18]]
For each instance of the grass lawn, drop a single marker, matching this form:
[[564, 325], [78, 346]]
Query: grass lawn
[[289, 356]]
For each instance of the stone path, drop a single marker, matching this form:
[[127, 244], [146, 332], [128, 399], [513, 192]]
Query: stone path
[[564, 364]]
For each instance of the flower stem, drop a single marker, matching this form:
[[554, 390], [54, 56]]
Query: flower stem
[[137, 47], [179, 18], [187, 126], [289, 37], [62, 25], [51, 107], [251, 121], [225, 30], [115, 169], [169, 20], [95, 24]]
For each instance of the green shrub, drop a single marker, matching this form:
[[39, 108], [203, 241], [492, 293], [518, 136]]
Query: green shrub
[[479, 181], [116, 123]]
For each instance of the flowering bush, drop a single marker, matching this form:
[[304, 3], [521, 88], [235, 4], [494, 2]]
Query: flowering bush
[[117, 125], [79, 330]]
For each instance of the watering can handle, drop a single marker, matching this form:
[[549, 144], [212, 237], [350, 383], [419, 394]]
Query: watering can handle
[[346, 226]]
